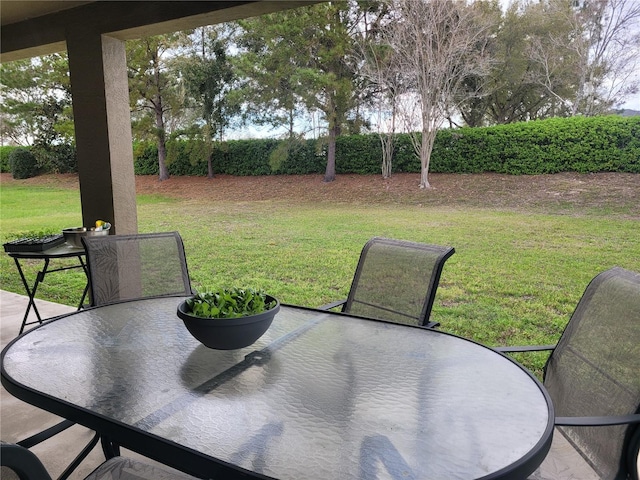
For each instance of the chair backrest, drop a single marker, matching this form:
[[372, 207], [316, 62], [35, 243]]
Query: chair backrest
[[595, 369], [126, 267], [396, 280]]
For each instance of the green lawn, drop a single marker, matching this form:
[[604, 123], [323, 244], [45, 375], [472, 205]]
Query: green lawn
[[515, 277]]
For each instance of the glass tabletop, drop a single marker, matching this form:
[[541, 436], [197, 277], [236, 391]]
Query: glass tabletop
[[320, 395]]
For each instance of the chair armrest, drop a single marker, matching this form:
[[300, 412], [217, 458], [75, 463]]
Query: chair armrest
[[22, 461], [598, 421], [526, 348], [431, 325], [329, 306], [633, 455], [45, 434]]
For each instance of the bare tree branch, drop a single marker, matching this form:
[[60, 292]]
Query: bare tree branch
[[600, 43], [440, 44]]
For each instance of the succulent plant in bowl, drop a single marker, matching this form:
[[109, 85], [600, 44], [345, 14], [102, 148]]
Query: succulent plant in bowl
[[228, 318], [230, 303]]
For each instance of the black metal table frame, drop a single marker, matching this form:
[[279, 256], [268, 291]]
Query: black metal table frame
[[31, 291], [115, 434]]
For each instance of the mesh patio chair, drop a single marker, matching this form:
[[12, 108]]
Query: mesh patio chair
[[593, 378], [127, 267], [20, 463], [395, 280]]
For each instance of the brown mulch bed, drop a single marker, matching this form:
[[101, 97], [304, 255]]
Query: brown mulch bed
[[619, 191]]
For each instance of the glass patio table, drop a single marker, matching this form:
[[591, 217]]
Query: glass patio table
[[321, 395]]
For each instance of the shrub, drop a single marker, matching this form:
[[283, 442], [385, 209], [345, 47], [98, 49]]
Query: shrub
[[145, 158], [23, 164], [5, 151], [245, 157], [303, 157], [579, 144], [358, 154], [59, 158]]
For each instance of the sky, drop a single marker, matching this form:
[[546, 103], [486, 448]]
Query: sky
[[633, 103]]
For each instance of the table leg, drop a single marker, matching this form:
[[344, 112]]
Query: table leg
[[31, 293], [109, 448], [86, 287]]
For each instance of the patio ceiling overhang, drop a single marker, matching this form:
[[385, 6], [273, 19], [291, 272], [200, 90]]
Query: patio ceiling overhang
[[93, 34], [34, 28]]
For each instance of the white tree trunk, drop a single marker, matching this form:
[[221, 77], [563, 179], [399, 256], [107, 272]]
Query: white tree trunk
[[440, 44]]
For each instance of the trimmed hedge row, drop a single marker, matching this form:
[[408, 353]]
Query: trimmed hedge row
[[50, 159], [584, 145], [598, 144], [356, 154]]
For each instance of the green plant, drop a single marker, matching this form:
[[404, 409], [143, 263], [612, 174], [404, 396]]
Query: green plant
[[5, 151], [579, 144], [59, 158], [33, 234], [229, 303], [23, 163]]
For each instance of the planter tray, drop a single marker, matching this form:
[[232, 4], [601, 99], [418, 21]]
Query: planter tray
[[34, 244]]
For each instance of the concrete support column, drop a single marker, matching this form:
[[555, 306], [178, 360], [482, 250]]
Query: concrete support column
[[98, 72]]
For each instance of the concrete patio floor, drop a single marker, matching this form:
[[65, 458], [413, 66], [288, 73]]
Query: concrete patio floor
[[19, 420]]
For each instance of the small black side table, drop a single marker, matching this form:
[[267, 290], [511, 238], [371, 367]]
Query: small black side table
[[62, 251]]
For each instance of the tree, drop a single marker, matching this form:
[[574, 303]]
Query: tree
[[600, 42], [386, 76], [208, 78], [36, 101], [308, 53], [381, 68], [269, 75], [512, 91], [441, 44], [153, 90], [330, 70]]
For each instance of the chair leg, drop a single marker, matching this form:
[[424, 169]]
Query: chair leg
[[81, 456], [54, 430]]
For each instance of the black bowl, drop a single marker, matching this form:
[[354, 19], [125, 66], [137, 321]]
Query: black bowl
[[229, 333]]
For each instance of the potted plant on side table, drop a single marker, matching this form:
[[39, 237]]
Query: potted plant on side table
[[228, 318]]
